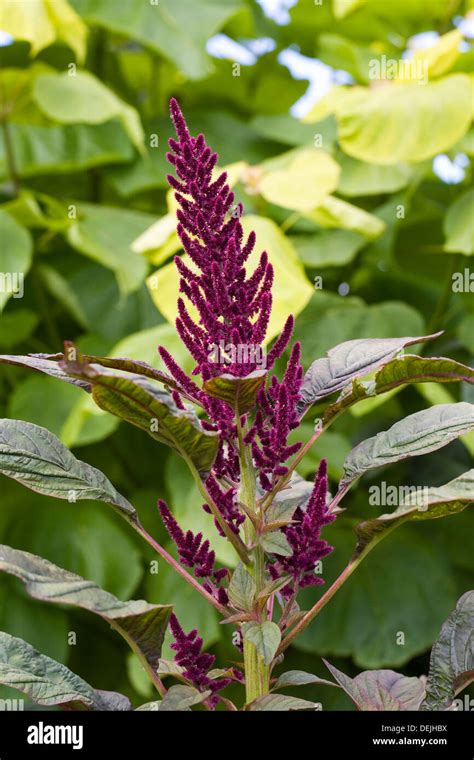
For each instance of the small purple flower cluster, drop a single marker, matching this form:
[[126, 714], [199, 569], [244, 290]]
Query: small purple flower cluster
[[303, 535], [275, 419], [195, 553], [196, 664]]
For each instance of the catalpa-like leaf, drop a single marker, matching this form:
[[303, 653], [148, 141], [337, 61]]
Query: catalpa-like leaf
[[135, 399], [353, 358], [242, 588], [404, 370], [435, 502], [381, 689], [238, 392], [48, 682], [142, 625], [452, 657], [417, 434], [37, 459]]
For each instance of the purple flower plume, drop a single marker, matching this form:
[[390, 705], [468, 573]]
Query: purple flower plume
[[195, 553], [196, 664], [303, 535], [276, 417], [233, 307]]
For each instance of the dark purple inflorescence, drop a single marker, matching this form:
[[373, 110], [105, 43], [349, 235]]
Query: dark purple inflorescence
[[196, 664], [303, 535]]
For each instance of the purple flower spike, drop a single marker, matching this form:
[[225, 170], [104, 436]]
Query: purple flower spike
[[233, 309], [194, 552], [303, 535], [195, 663]]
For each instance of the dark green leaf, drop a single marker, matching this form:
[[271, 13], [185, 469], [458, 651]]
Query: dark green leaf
[[142, 625], [452, 657], [415, 435], [437, 502], [49, 683], [298, 678], [354, 358], [242, 589], [37, 459]]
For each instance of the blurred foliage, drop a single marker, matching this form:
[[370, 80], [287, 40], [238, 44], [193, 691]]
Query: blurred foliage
[[347, 195]]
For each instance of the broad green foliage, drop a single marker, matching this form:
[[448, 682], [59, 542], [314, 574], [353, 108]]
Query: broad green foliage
[[371, 235]]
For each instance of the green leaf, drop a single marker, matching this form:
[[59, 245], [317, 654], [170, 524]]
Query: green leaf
[[135, 399], [415, 435], [348, 360], [280, 513], [276, 543], [361, 178], [459, 225], [300, 179], [170, 28], [180, 697], [437, 502], [82, 98], [46, 365], [65, 149], [105, 235], [452, 657], [266, 638], [242, 589], [328, 248], [37, 459], [15, 257], [291, 289], [403, 370], [334, 212], [281, 703], [49, 683], [372, 121], [298, 678], [16, 327], [381, 689], [142, 625], [41, 22], [239, 392]]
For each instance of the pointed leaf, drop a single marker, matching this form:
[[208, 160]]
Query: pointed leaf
[[242, 589], [45, 364], [276, 543], [135, 399], [452, 657], [181, 698], [142, 625], [403, 370], [266, 638], [48, 682], [239, 392], [354, 358], [415, 435], [298, 678], [281, 703], [437, 502], [381, 689], [37, 459]]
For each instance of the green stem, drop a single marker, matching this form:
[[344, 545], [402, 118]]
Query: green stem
[[257, 673]]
